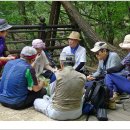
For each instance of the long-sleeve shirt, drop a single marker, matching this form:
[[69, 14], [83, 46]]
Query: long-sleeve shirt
[[112, 60], [2, 46]]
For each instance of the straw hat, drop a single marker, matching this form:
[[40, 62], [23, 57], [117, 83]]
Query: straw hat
[[126, 42], [99, 45], [74, 35]]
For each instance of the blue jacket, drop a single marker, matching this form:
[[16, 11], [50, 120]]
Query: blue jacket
[[13, 86]]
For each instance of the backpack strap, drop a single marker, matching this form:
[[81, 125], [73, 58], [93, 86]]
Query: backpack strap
[[97, 87], [89, 92]]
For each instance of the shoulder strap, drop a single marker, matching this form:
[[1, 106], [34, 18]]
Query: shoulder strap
[[97, 87], [89, 92]]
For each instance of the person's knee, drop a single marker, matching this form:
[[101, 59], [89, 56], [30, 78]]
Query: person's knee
[[36, 103]]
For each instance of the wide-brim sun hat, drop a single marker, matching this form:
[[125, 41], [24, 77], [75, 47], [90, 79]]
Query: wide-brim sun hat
[[38, 43], [126, 43], [4, 25], [29, 52], [74, 35], [99, 45]]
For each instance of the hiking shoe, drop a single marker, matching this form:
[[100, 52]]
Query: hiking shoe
[[112, 104], [116, 97]]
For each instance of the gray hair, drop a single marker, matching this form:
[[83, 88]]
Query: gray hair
[[67, 59]]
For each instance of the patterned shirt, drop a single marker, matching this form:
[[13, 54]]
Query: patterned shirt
[[126, 62]]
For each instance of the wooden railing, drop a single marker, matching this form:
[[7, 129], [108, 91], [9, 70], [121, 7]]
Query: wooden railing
[[44, 32]]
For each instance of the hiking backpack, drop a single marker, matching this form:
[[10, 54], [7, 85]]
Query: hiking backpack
[[96, 97]]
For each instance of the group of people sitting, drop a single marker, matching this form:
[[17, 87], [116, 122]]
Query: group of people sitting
[[58, 93]]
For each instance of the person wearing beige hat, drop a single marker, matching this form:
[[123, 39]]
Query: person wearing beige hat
[[76, 49], [19, 86], [119, 76]]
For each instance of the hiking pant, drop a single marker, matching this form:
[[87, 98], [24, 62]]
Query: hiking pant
[[46, 107], [28, 102], [118, 81], [114, 88]]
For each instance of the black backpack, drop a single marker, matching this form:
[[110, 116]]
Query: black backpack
[[97, 95]]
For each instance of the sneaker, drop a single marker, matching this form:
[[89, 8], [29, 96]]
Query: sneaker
[[112, 104], [116, 97]]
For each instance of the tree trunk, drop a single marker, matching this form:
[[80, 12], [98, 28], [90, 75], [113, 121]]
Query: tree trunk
[[82, 23], [22, 11], [54, 18], [91, 36]]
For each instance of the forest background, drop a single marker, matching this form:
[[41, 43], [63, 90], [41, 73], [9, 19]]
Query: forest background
[[109, 19]]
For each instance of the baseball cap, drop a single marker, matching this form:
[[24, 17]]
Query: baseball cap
[[29, 52], [99, 45]]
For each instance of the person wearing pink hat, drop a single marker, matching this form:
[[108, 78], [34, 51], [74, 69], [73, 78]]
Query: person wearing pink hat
[[41, 62], [119, 76], [42, 66], [19, 86]]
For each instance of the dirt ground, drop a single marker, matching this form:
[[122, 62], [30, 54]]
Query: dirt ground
[[29, 114]]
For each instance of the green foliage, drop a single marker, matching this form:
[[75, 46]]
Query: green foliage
[[109, 19]]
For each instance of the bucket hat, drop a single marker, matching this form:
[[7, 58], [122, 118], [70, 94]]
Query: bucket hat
[[4, 25], [126, 43], [38, 43]]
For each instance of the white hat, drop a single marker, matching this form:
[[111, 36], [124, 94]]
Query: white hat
[[38, 43], [99, 45], [74, 35], [4, 25], [67, 57], [29, 52], [126, 42]]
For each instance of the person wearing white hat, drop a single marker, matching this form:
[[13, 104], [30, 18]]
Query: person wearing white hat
[[119, 76], [76, 49], [66, 101], [107, 59], [19, 86], [4, 26]]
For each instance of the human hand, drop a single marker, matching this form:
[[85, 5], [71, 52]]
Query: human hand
[[90, 77], [55, 70], [37, 57], [10, 57]]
